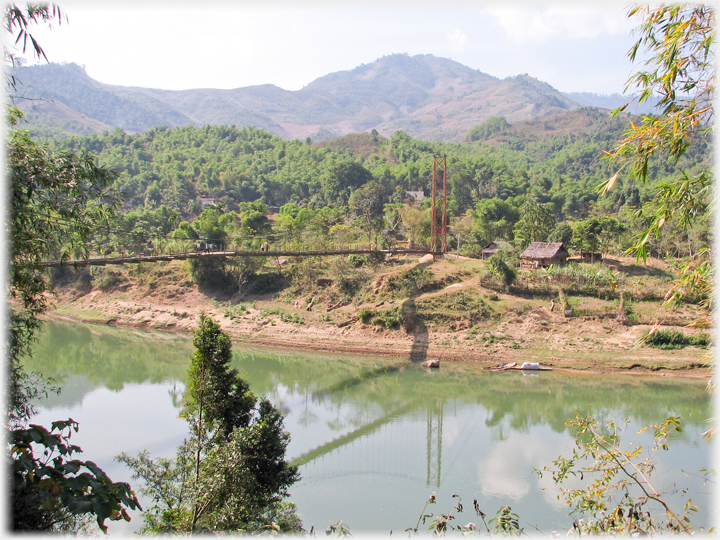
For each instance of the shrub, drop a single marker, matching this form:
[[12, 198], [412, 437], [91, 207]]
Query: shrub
[[265, 283], [390, 318], [675, 339], [502, 267], [366, 314], [410, 281], [356, 261], [104, 278]]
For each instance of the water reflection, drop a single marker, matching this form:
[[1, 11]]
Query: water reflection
[[373, 436]]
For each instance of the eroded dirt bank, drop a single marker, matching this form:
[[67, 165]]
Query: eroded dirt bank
[[517, 329]]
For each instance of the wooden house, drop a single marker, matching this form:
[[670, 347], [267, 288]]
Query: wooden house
[[493, 247], [543, 254]]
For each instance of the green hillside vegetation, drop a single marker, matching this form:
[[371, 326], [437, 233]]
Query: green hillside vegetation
[[521, 182]]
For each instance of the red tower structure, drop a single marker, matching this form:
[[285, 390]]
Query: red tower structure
[[433, 215]]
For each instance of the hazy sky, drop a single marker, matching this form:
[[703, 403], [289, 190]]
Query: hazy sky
[[579, 46]]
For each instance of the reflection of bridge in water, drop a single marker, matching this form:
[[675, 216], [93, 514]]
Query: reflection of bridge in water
[[103, 261], [388, 446]]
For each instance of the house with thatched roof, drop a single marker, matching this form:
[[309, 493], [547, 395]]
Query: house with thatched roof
[[493, 247], [541, 254]]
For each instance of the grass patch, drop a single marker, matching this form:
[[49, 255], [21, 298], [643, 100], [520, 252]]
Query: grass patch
[[463, 306], [676, 339]]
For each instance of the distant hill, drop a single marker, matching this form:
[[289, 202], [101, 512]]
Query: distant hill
[[431, 98]]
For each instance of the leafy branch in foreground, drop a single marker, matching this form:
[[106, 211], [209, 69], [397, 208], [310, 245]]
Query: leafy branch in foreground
[[619, 496], [50, 487]]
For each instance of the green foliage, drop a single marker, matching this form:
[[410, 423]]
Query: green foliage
[[495, 219], [675, 339], [462, 307], [356, 261], [283, 315], [506, 523], [56, 201], [679, 42], [537, 221], [50, 486], [212, 273], [366, 314], [105, 279], [620, 496], [366, 203], [231, 474], [411, 281], [503, 266], [490, 127], [390, 318]]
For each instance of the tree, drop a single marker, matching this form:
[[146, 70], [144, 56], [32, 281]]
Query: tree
[[56, 201], [494, 220], [491, 126], [586, 235], [563, 232], [366, 203], [502, 265], [231, 473], [342, 180], [537, 221], [680, 40], [471, 183], [415, 221]]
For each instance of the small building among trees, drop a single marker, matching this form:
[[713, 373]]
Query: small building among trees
[[543, 254], [493, 247]]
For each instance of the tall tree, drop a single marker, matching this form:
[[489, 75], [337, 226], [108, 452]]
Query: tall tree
[[366, 203], [231, 474], [537, 221], [342, 180], [494, 220]]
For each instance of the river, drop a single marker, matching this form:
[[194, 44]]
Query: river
[[374, 437]]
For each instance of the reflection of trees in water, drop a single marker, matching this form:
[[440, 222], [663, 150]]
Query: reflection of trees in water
[[368, 388], [107, 356]]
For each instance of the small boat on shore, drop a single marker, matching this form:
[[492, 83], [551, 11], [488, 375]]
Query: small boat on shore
[[532, 366]]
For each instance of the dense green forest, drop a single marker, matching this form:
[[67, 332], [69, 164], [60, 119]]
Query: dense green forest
[[530, 181]]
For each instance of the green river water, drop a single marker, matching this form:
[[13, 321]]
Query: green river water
[[374, 437]]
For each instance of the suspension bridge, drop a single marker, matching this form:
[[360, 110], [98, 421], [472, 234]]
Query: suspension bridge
[[121, 260]]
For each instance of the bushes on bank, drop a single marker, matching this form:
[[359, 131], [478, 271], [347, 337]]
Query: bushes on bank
[[676, 339]]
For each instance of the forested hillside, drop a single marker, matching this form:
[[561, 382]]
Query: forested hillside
[[519, 182]]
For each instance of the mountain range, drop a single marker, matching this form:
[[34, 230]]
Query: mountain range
[[428, 97]]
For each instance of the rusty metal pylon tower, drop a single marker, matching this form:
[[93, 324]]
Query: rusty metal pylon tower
[[433, 217]]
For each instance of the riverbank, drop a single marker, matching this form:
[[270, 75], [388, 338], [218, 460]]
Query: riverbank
[[460, 320]]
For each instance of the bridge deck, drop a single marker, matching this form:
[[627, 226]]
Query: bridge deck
[[197, 255]]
